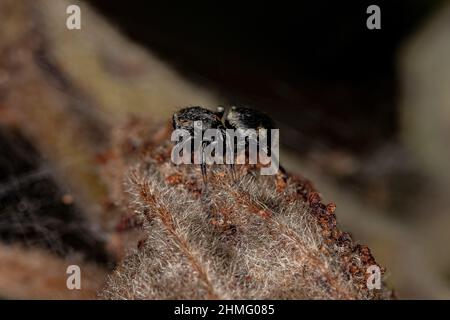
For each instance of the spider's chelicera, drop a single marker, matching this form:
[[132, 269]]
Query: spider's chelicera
[[240, 136]]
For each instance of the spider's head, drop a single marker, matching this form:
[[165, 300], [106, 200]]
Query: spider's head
[[185, 118]]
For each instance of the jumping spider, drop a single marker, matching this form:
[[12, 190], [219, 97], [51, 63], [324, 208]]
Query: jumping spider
[[236, 118]]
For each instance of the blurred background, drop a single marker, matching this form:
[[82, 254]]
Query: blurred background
[[364, 114]]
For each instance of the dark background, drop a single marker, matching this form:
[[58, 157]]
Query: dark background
[[314, 66]]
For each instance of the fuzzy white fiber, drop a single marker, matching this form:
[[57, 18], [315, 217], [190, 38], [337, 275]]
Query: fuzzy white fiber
[[258, 237]]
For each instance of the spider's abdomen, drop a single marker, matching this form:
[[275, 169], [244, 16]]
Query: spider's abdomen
[[246, 118]]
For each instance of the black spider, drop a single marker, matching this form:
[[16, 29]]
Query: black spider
[[236, 118]]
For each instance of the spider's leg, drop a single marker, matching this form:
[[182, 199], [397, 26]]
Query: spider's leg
[[203, 167], [204, 174], [227, 147]]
